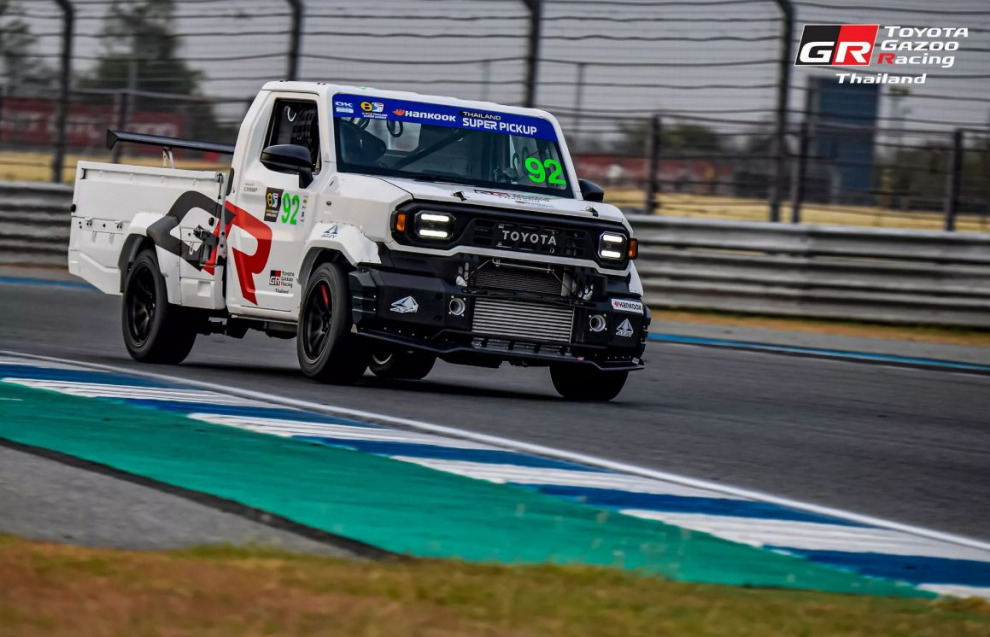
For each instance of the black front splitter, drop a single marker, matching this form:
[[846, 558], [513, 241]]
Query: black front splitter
[[492, 357]]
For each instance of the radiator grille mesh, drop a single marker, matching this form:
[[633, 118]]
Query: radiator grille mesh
[[518, 280]]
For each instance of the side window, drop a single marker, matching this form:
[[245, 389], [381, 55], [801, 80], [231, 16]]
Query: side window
[[296, 122]]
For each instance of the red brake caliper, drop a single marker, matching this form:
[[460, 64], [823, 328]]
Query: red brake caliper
[[326, 297]]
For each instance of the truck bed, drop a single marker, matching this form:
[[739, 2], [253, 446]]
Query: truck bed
[[112, 202]]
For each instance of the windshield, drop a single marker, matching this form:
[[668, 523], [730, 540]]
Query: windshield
[[434, 142]]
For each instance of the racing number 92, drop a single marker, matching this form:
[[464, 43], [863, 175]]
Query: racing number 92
[[290, 208], [548, 171]]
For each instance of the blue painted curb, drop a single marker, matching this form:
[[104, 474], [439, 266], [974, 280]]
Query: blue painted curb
[[890, 359], [13, 280]]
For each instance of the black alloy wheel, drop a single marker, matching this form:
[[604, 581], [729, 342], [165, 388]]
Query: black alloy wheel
[[327, 350]]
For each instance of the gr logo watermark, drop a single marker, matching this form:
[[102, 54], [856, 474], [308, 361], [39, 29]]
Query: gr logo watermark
[[837, 45], [850, 45]]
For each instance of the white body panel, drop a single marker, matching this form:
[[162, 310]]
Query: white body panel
[[113, 202]]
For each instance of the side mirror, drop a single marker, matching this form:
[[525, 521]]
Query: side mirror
[[591, 191], [289, 158]]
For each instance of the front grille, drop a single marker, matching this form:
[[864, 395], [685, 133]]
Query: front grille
[[527, 321], [567, 242], [541, 282]]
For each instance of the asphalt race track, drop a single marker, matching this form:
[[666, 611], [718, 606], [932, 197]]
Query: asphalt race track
[[905, 444]]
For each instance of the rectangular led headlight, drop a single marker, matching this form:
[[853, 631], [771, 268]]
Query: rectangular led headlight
[[434, 225], [612, 246]]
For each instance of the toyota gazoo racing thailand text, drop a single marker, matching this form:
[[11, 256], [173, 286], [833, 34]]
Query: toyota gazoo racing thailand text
[[900, 49], [377, 228]]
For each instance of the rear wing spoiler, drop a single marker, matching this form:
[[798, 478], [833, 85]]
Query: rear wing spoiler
[[166, 143]]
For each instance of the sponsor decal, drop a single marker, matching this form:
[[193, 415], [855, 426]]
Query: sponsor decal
[[626, 305], [344, 108], [273, 204], [495, 193], [448, 116], [405, 305], [284, 207], [443, 117], [625, 329], [331, 232], [281, 280], [517, 197], [482, 115], [856, 45]]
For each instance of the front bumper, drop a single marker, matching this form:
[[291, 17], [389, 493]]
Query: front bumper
[[414, 310]]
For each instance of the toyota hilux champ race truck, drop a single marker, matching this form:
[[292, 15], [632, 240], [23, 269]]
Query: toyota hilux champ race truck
[[377, 228]]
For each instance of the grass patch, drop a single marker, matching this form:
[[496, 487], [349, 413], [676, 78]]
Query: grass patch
[[918, 333], [56, 590], [34, 166]]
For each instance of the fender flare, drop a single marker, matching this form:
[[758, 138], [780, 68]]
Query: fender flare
[[336, 243], [133, 245]]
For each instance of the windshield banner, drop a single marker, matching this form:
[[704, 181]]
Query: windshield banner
[[441, 115]]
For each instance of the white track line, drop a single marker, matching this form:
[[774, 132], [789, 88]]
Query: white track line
[[133, 392], [509, 473], [540, 450], [812, 535], [288, 428], [957, 590]]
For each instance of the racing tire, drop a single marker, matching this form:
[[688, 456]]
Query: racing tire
[[388, 362], [586, 383], [328, 352], [155, 331]]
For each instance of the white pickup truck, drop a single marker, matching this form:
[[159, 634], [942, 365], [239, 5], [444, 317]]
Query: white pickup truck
[[378, 228]]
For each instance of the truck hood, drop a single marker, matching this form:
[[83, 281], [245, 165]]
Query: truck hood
[[509, 199]]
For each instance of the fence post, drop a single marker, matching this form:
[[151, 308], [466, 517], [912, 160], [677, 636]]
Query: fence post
[[799, 172], [486, 79], [122, 101], [62, 112], [295, 33], [533, 52], [652, 164], [953, 181], [783, 95], [578, 99], [3, 97]]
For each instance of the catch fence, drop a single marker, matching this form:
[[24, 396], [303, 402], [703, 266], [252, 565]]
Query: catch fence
[[743, 132]]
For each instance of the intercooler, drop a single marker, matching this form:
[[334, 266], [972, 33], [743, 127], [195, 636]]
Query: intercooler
[[525, 321]]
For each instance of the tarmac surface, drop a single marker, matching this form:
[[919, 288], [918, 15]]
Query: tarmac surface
[[910, 445]]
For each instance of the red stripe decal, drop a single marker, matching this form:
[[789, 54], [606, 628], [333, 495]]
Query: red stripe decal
[[249, 265]]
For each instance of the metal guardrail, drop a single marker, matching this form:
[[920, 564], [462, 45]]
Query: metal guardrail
[[896, 276], [34, 223]]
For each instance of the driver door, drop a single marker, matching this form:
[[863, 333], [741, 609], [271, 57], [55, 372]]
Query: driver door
[[276, 201]]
